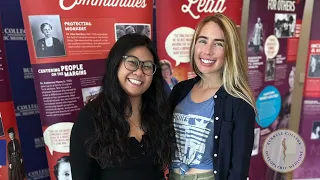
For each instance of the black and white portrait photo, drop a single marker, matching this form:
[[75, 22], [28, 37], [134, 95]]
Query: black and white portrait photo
[[270, 70], [47, 36], [123, 29], [256, 41], [62, 169], [314, 66], [90, 93], [16, 169], [255, 149], [284, 25], [315, 133]]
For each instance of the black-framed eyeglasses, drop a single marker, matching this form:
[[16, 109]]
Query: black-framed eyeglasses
[[132, 63]]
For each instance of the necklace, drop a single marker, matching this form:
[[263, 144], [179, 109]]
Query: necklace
[[138, 127]]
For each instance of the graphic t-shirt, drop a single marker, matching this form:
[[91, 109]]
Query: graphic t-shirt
[[193, 123]]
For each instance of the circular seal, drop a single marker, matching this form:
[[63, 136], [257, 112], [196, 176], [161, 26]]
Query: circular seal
[[284, 150], [271, 46]]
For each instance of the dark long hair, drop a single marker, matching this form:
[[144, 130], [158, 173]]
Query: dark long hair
[[111, 140]]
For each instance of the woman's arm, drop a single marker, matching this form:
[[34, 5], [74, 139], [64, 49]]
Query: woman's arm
[[82, 166], [242, 144]]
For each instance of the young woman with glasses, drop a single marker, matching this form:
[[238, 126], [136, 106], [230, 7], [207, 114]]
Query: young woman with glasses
[[126, 132]]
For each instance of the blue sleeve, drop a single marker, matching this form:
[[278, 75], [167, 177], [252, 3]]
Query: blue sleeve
[[174, 80]]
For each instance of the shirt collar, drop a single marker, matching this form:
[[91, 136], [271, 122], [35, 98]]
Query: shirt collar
[[221, 91]]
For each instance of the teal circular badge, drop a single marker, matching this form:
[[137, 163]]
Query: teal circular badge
[[268, 106]]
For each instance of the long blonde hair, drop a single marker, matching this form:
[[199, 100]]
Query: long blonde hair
[[235, 69]]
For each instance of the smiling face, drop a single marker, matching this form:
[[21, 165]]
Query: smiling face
[[165, 69], [135, 83], [209, 49]]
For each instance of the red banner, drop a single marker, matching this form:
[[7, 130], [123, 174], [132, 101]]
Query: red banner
[[68, 42], [11, 161], [176, 21]]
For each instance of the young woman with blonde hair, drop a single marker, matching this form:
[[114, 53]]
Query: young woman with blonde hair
[[214, 113]]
